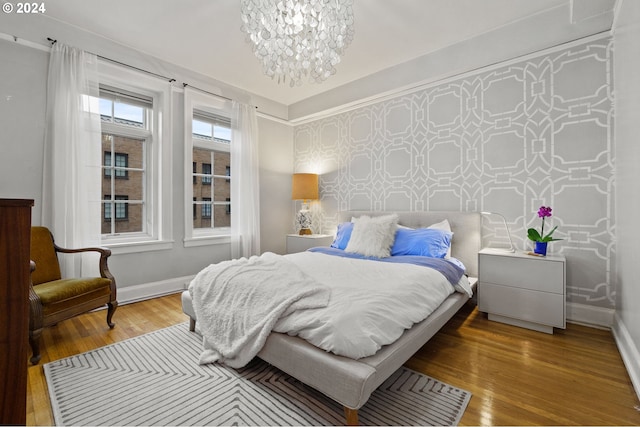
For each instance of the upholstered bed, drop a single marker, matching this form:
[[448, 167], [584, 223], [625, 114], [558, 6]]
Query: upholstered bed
[[348, 381]]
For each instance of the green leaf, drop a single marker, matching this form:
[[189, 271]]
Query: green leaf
[[533, 234], [548, 238]]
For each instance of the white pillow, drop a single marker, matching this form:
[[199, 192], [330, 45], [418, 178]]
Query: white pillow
[[443, 225], [373, 236]]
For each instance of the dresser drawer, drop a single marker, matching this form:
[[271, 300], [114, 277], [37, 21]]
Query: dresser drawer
[[534, 274], [533, 306]]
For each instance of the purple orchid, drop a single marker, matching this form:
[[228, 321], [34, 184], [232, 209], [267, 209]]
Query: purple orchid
[[532, 233]]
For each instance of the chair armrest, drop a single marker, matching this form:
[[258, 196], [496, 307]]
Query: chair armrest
[[104, 254], [103, 251]]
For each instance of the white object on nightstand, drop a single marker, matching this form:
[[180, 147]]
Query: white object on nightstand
[[523, 290], [300, 243]]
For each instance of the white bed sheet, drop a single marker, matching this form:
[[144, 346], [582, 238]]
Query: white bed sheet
[[371, 303]]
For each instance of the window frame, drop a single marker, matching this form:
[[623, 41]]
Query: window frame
[[194, 102], [157, 232]]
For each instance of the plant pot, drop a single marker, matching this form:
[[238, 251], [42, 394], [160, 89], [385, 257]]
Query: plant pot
[[541, 248]]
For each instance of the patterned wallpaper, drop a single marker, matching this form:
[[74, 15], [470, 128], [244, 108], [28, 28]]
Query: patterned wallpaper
[[506, 139]]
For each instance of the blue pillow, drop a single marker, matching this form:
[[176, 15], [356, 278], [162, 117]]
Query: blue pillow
[[430, 242], [342, 235]]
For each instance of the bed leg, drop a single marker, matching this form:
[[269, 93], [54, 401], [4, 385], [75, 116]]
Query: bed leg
[[351, 415], [192, 324]]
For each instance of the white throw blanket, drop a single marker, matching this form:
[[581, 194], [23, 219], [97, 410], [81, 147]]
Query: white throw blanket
[[238, 302]]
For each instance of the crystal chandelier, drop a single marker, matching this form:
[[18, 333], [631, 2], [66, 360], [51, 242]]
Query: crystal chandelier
[[298, 38]]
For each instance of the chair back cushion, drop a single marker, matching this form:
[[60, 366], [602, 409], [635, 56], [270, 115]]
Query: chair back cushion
[[44, 255]]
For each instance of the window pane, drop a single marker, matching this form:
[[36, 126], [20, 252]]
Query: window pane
[[106, 214], [105, 109], [221, 132], [222, 217], [202, 211], [202, 165], [201, 191], [221, 189], [128, 114], [202, 129], [222, 162], [206, 170], [120, 213], [133, 221]]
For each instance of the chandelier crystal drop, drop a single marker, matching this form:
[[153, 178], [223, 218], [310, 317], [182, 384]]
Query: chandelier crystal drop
[[294, 39]]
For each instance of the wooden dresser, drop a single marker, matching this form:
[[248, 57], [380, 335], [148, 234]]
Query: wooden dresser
[[15, 241]]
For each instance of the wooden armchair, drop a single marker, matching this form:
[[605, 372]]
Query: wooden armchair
[[52, 298]]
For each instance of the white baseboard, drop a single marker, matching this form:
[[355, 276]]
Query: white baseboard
[[589, 315], [129, 294], [629, 352]]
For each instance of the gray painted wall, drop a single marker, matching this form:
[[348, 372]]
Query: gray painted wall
[[537, 131]]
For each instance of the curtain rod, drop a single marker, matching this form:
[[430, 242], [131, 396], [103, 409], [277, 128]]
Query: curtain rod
[[170, 80], [184, 85]]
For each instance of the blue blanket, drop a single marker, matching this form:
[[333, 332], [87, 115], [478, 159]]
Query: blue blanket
[[450, 269]]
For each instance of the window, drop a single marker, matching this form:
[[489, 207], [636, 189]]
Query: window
[[206, 208], [119, 166], [207, 148], [121, 209], [125, 140], [136, 197], [214, 187], [206, 171]]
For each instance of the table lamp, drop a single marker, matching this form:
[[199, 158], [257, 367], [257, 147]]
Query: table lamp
[[304, 187], [504, 220]]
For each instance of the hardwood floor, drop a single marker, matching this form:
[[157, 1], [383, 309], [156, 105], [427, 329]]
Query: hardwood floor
[[517, 376]]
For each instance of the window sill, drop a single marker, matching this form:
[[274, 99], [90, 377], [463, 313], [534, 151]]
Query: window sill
[[207, 241], [137, 247]]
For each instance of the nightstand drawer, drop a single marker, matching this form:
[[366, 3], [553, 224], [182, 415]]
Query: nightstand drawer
[[532, 306], [536, 274]]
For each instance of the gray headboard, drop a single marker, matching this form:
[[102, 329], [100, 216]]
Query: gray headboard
[[466, 227]]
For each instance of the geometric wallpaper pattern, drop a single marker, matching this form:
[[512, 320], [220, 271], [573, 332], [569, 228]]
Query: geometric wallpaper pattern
[[507, 139]]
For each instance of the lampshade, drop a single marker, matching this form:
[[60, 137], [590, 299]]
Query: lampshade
[[304, 186]]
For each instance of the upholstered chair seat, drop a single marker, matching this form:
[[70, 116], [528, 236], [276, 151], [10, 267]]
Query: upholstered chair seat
[[53, 298]]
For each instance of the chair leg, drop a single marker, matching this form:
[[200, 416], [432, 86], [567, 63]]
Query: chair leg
[[110, 311], [192, 324], [34, 341]]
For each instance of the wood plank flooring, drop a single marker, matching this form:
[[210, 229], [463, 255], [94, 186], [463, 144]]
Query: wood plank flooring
[[517, 376]]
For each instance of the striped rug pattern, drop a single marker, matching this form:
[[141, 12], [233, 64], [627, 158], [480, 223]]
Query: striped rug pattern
[[155, 379]]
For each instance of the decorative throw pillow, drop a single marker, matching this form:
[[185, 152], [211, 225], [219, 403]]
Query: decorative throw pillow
[[373, 236], [342, 235], [444, 225], [429, 242]]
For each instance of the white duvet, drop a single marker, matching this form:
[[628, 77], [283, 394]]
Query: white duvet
[[371, 302]]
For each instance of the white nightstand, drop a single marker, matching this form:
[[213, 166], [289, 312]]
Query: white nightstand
[[523, 290], [300, 243]]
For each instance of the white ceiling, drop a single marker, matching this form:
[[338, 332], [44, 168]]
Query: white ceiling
[[205, 36]]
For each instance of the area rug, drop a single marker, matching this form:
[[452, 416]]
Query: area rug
[[155, 379]]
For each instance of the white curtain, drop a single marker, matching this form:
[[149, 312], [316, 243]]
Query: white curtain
[[245, 188], [71, 196]]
